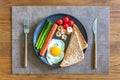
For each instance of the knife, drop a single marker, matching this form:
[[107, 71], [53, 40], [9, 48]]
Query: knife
[[26, 31], [94, 28]]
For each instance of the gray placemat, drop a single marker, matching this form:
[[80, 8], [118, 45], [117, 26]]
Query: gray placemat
[[86, 15]]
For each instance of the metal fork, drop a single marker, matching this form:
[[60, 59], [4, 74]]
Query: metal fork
[[26, 31]]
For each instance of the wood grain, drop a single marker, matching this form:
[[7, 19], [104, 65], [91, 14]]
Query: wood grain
[[5, 39]]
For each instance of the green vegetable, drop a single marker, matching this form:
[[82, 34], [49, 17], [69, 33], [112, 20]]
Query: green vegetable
[[43, 29], [44, 36]]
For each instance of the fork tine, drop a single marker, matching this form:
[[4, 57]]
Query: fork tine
[[26, 22], [26, 26]]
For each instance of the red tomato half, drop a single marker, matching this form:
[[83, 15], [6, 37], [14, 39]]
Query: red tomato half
[[65, 26], [59, 21], [71, 22], [65, 19]]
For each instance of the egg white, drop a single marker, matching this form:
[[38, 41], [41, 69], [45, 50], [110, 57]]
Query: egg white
[[52, 59]]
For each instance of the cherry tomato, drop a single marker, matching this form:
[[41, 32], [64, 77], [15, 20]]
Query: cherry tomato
[[65, 26], [66, 19], [71, 22], [59, 21]]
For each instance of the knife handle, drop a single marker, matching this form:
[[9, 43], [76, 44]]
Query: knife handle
[[95, 56], [26, 51]]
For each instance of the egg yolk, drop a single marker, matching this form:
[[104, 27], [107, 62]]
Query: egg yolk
[[55, 51]]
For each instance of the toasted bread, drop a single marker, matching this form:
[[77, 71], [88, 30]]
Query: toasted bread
[[74, 52], [80, 36]]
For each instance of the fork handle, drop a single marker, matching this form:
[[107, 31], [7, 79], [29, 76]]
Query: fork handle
[[95, 56], [26, 51]]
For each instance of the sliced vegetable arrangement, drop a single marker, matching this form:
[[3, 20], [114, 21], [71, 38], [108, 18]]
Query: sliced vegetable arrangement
[[43, 35], [59, 40], [50, 35], [63, 27]]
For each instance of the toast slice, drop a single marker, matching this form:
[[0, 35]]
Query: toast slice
[[74, 52], [80, 36]]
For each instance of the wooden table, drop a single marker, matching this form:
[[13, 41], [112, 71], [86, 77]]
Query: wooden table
[[6, 31]]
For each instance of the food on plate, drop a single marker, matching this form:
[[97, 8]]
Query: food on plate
[[53, 38], [64, 37], [49, 37], [64, 29], [59, 21], [69, 30], [74, 52], [71, 22], [55, 52], [65, 26], [38, 40], [46, 32], [58, 33], [60, 27], [84, 44], [66, 19], [43, 35]]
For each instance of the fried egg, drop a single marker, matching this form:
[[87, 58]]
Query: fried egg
[[55, 52]]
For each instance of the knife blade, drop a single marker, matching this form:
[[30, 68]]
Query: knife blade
[[95, 43]]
